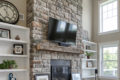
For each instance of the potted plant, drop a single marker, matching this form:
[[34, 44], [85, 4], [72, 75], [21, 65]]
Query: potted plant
[[88, 54], [8, 64], [13, 64]]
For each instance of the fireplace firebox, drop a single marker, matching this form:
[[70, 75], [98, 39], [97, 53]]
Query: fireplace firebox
[[60, 69]]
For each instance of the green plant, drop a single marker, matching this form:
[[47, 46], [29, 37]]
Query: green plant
[[8, 64], [88, 54], [13, 64]]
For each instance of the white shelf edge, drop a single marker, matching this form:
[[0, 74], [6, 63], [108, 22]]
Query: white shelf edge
[[13, 70], [12, 55], [89, 42], [12, 40], [90, 51], [88, 76], [89, 59], [89, 68], [13, 26]]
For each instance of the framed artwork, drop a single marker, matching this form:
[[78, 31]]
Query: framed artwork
[[85, 35], [18, 49], [76, 76], [5, 33], [42, 77], [89, 64], [88, 47]]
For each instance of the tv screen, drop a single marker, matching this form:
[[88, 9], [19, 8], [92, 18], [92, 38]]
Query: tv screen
[[61, 31], [71, 34]]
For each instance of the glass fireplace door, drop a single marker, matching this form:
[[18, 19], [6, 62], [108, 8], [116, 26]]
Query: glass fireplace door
[[60, 73]]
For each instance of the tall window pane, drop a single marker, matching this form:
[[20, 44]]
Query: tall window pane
[[109, 60], [108, 16]]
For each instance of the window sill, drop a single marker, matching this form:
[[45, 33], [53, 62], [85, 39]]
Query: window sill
[[109, 32], [108, 77]]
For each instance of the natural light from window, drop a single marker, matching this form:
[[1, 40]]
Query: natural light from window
[[109, 60], [108, 16]]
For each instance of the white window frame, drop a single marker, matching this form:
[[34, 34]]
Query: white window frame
[[107, 44], [99, 19]]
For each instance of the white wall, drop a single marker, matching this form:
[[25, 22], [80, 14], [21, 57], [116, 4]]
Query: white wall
[[21, 6], [87, 16]]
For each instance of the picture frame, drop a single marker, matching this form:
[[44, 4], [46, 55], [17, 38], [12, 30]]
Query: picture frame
[[18, 49], [5, 33], [88, 47], [85, 35], [42, 77], [76, 76], [89, 64]]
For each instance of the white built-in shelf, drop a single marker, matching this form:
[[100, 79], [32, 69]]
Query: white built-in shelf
[[92, 76], [89, 59], [12, 55], [8, 26], [89, 68], [12, 41], [13, 70], [6, 50], [88, 42], [90, 51], [88, 72]]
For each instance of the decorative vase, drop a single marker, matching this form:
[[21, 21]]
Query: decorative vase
[[10, 67], [17, 37], [88, 57]]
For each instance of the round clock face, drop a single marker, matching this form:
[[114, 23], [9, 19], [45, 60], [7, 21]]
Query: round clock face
[[8, 12]]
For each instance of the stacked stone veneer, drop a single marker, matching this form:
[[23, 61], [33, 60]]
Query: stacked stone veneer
[[38, 15]]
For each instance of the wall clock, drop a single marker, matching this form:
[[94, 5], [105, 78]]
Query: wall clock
[[8, 12]]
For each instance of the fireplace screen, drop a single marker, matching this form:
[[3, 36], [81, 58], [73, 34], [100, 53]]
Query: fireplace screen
[[60, 70]]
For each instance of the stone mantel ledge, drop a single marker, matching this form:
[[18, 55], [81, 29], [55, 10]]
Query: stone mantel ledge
[[45, 46]]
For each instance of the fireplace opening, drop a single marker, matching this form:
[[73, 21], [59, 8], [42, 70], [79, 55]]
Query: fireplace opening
[[60, 69]]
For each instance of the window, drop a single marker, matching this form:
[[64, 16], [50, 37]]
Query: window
[[108, 16], [109, 60]]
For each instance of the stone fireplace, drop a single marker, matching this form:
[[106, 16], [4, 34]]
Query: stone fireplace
[[60, 69], [43, 61], [38, 13]]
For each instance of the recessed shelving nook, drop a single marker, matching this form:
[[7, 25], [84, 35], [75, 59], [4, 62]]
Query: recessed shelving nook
[[89, 65], [6, 51]]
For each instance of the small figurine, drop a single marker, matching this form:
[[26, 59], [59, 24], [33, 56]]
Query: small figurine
[[11, 76], [17, 37]]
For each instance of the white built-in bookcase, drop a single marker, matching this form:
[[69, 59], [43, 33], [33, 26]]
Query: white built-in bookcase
[[89, 72], [6, 52]]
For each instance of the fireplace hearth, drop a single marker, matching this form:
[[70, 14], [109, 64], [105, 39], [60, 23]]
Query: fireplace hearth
[[60, 69]]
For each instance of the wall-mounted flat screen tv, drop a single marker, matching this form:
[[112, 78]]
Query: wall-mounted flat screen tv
[[61, 32]]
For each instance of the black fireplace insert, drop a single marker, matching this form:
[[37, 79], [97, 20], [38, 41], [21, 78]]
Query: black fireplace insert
[[60, 69]]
